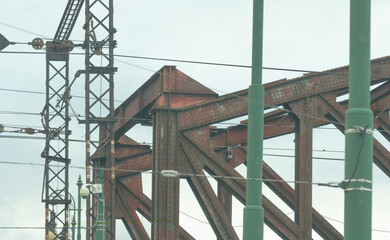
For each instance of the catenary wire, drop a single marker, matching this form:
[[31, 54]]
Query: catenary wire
[[179, 174], [331, 71], [24, 30], [186, 214], [149, 144], [202, 221], [30, 32], [146, 119], [174, 60], [143, 144], [43, 93]]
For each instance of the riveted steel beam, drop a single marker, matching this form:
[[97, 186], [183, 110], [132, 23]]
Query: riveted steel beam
[[183, 90], [215, 165], [277, 93], [140, 202], [165, 191], [126, 209], [205, 195], [337, 115], [205, 109]]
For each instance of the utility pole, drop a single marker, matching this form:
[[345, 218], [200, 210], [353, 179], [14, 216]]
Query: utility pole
[[79, 184], [358, 125], [253, 211]]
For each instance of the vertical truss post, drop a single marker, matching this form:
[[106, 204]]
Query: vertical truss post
[[358, 128], [56, 125], [165, 190], [303, 172], [99, 112]]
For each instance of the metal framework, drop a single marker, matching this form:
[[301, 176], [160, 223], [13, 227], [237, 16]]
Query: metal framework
[[99, 92], [56, 152], [181, 111], [56, 124]]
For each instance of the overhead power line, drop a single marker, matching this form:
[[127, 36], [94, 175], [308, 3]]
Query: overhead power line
[[224, 123], [43, 93], [24, 30], [149, 144], [173, 173], [186, 214], [176, 60]]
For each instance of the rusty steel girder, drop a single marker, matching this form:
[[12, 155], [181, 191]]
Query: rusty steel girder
[[181, 110]]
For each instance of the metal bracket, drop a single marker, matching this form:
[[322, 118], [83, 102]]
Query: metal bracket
[[358, 129], [358, 189], [362, 180]]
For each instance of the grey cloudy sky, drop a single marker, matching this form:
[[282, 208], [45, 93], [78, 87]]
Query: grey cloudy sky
[[302, 34]]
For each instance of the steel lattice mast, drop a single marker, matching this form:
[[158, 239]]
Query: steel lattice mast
[[56, 124], [99, 112], [56, 153]]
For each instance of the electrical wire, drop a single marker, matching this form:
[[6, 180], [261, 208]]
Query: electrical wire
[[147, 119], [373, 229], [177, 174], [32, 33], [143, 144], [149, 144], [176, 60], [344, 184], [202, 221], [186, 214], [43, 93], [331, 72], [24, 30]]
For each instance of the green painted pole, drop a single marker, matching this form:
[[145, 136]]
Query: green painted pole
[[73, 226], [253, 211], [100, 225], [359, 143], [79, 184]]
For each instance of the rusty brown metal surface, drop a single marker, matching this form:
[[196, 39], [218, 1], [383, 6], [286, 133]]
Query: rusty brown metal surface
[[303, 167], [205, 195], [184, 91], [183, 140], [215, 165], [165, 190]]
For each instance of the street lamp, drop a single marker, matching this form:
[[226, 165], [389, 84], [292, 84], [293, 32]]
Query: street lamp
[[96, 190]]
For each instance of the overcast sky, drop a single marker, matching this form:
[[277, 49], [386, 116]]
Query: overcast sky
[[301, 34]]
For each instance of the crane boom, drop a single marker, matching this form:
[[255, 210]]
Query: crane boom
[[68, 20]]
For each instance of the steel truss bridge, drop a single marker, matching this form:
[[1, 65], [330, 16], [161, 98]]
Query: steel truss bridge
[[181, 111]]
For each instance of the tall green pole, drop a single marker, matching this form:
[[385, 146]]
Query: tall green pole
[[253, 211], [358, 141], [79, 184], [101, 225], [73, 224]]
